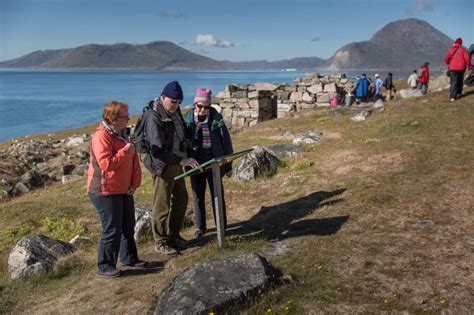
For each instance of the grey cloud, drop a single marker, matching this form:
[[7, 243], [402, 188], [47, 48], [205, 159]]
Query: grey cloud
[[420, 6]]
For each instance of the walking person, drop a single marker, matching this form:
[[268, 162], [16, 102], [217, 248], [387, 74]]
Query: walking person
[[378, 87], [389, 86], [167, 155], [114, 175], [362, 88], [413, 80], [424, 78], [458, 60], [210, 135]]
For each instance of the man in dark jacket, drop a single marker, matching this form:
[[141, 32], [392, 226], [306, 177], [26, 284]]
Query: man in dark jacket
[[167, 138], [210, 136]]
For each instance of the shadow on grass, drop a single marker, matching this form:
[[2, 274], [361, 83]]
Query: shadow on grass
[[152, 267], [277, 222]]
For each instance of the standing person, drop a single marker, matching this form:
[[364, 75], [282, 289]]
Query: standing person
[[114, 175], [210, 135], [389, 86], [362, 88], [424, 78], [168, 143], [458, 60], [378, 86], [413, 80]]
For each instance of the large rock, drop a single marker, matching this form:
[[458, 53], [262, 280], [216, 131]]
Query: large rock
[[310, 137], [255, 163], [32, 179], [35, 255], [221, 286], [407, 93], [288, 150]]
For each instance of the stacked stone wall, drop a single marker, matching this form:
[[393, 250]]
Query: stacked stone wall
[[245, 105]]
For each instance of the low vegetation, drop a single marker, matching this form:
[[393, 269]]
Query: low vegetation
[[377, 218]]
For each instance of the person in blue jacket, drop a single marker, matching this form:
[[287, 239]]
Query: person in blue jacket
[[210, 139], [362, 88]]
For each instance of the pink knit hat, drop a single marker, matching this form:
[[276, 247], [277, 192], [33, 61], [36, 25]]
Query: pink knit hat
[[458, 41], [203, 95]]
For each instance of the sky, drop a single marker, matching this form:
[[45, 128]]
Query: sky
[[235, 30]]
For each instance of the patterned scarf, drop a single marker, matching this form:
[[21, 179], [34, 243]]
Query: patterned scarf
[[206, 135], [124, 136]]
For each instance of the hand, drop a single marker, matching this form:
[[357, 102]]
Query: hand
[[228, 174], [189, 162], [131, 190]]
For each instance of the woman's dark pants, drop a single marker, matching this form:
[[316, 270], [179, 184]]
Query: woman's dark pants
[[198, 184], [117, 217]]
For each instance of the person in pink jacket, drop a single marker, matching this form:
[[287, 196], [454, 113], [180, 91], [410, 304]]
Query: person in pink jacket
[[458, 60], [114, 175]]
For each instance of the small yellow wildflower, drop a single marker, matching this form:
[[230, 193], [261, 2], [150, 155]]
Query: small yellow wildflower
[[385, 301], [211, 313], [442, 301], [269, 310]]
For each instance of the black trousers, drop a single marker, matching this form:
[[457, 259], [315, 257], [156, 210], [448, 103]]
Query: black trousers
[[198, 184], [456, 83]]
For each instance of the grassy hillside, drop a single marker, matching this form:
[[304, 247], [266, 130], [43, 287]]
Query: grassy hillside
[[377, 218]]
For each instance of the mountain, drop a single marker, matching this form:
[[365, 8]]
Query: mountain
[[159, 55], [400, 45]]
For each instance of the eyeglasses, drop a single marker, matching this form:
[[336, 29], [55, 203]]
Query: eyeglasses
[[175, 101], [203, 106], [126, 117]]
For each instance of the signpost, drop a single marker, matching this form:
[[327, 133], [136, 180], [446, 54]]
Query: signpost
[[215, 164]]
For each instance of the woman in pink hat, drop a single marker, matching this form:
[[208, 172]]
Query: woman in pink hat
[[211, 139]]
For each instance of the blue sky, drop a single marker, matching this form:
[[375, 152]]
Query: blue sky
[[236, 30]]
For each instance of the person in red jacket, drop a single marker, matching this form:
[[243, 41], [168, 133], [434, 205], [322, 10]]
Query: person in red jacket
[[458, 60], [114, 175], [424, 78]]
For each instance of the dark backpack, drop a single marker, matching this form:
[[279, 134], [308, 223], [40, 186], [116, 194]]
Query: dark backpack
[[139, 137]]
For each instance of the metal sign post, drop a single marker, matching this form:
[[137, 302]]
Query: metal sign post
[[215, 164]]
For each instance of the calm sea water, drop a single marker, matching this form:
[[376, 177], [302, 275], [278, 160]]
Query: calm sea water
[[47, 101]]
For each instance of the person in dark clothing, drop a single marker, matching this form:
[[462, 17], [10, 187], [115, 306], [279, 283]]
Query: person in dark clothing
[[389, 87], [210, 136], [166, 134], [458, 60]]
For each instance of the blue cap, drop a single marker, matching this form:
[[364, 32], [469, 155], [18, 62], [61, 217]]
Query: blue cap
[[173, 90]]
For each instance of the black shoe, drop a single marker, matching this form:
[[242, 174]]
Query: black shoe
[[136, 264], [179, 243], [110, 274]]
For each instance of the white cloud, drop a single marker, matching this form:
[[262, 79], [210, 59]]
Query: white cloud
[[210, 40], [421, 6]]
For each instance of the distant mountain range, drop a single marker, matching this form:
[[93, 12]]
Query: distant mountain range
[[400, 45]]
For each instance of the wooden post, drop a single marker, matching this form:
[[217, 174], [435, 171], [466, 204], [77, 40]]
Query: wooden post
[[216, 176]]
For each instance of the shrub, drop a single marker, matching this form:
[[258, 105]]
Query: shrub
[[62, 229], [13, 234]]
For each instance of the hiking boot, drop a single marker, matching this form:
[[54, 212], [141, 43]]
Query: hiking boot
[[136, 264], [165, 249], [200, 233], [179, 243], [110, 274]]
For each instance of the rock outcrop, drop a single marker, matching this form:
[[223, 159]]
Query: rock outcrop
[[256, 163], [221, 286], [35, 255]]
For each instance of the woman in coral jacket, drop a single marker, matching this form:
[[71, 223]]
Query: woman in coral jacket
[[458, 60], [114, 175]]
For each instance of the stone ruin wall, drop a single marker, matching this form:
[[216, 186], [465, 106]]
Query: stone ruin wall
[[245, 105]]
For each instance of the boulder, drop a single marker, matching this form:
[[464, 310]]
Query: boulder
[[310, 137], [407, 93], [219, 286], [256, 163], [361, 116], [66, 179], [32, 179], [143, 222], [75, 141], [288, 150], [35, 255], [378, 104], [20, 188], [266, 86]]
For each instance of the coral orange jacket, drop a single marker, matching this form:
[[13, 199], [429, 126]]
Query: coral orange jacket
[[113, 169]]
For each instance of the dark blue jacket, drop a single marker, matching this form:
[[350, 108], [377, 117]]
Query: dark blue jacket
[[220, 137], [362, 87]]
